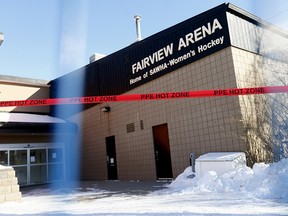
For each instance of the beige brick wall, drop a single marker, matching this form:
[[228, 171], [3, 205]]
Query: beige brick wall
[[253, 71], [195, 125], [22, 91]]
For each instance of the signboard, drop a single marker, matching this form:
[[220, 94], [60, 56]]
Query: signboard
[[187, 42]]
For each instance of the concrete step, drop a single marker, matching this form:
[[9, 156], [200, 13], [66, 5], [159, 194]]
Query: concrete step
[[9, 188]]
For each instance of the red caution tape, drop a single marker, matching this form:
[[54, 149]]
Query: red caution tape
[[149, 96]]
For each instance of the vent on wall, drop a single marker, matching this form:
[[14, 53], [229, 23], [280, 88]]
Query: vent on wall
[[130, 127]]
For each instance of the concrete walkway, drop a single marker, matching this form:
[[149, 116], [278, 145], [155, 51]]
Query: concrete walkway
[[110, 187]]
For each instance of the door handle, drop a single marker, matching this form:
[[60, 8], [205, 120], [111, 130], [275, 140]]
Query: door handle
[[156, 155]]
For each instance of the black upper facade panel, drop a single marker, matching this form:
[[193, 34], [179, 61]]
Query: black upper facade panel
[[149, 58], [159, 54]]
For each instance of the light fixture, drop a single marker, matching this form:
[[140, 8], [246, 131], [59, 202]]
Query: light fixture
[[1, 38], [105, 109]]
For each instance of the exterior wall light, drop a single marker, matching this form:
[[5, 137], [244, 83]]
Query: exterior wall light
[[105, 109], [1, 38]]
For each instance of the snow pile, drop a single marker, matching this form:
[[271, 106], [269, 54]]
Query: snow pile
[[262, 181], [240, 192]]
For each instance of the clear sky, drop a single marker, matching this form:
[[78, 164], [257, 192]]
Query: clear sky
[[45, 39]]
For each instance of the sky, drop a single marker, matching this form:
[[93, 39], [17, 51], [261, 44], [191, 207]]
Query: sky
[[45, 39]]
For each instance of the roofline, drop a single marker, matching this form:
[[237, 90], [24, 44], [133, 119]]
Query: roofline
[[228, 7], [255, 19], [23, 81], [159, 34]]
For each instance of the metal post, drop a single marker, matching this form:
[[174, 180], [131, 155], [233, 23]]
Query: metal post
[[138, 29], [192, 161], [1, 38]]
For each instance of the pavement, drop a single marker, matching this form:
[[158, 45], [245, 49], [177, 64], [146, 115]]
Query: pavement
[[110, 187]]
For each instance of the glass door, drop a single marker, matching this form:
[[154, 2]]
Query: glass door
[[4, 157], [18, 160], [34, 165], [38, 166], [55, 164]]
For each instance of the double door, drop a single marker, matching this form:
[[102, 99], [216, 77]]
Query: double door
[[34, 165]]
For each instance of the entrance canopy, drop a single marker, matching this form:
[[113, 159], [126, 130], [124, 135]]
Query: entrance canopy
[[34, 123]]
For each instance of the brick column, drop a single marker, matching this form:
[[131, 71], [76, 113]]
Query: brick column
[[9, 188]]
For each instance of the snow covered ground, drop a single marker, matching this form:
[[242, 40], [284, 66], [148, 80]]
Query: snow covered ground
[[262, 190]]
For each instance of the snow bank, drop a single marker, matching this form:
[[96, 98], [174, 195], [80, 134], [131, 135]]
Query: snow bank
[[238, 192], [263, 181]]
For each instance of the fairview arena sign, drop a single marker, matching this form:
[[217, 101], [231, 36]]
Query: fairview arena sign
[[190, 41], [190, 38]]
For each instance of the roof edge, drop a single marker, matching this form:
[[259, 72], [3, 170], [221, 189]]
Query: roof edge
[[255, 19], [23, 81]]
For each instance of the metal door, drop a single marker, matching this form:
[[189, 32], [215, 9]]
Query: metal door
[[111, 158], [162, 152]]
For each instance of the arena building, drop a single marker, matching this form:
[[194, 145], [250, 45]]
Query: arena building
[[222, 48], [28, 134]]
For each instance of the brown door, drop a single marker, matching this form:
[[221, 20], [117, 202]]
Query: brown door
[[162, 152]]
